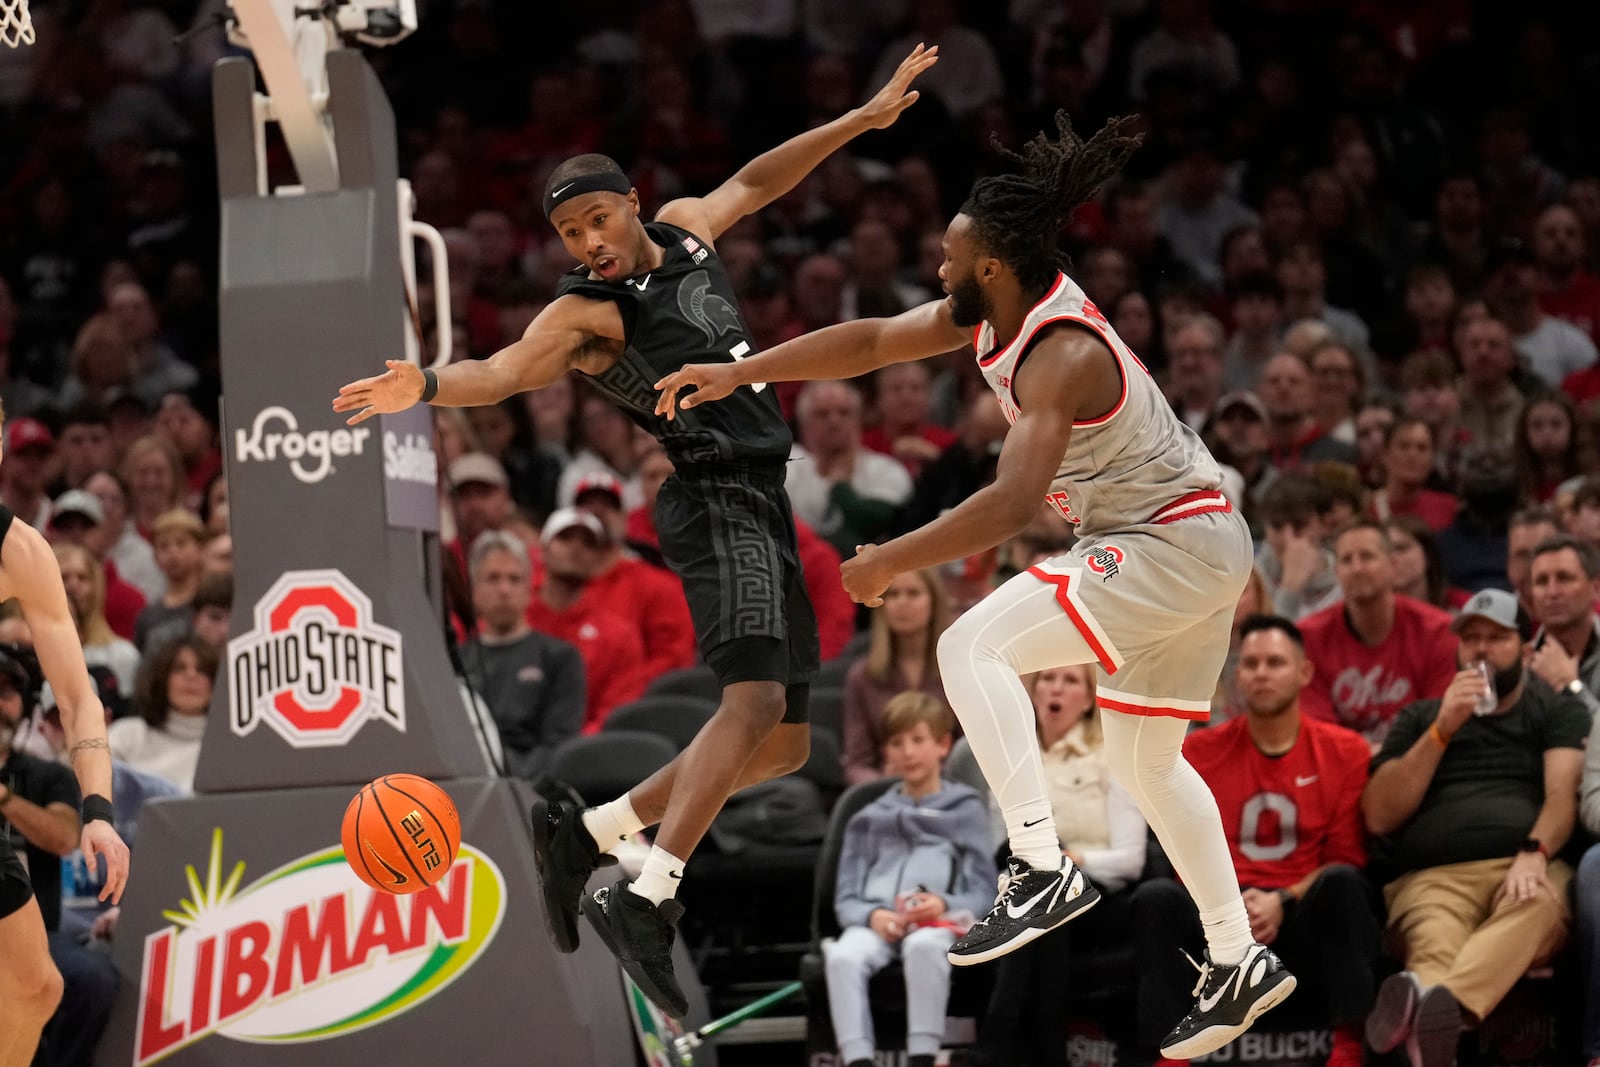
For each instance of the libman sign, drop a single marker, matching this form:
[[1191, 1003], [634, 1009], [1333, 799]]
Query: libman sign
[[306, 952]]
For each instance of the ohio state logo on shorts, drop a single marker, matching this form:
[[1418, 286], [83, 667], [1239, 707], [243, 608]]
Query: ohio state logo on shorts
[[315, 666], [1105, 560]]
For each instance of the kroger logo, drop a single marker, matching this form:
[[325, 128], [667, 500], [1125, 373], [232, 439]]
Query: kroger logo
[[310, 455]]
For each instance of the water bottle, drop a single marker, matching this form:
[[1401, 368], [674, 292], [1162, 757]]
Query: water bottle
[[1489, 699]]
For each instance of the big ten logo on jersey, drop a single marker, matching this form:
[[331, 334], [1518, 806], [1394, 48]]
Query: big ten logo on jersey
[[316, 665], [1105, 560], [1059, 501], [696, 253]]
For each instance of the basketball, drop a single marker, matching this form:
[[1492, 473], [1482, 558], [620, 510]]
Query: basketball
[[401, 833]]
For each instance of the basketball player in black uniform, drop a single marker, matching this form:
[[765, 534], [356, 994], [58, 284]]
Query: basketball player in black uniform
[[647, 299], [30, 985]]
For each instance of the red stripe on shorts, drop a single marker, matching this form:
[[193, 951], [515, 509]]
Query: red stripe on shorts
[[1063, 582], [1149, 709], [1204, 502]]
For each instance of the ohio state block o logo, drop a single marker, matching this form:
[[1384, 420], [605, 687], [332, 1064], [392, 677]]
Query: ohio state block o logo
[[315, 666]]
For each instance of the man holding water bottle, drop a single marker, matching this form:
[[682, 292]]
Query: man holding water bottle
[[1471, 798]]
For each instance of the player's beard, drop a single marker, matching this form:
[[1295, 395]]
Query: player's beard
[[969, 305]]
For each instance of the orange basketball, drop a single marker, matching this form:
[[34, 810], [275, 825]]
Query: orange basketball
[[401, 833]]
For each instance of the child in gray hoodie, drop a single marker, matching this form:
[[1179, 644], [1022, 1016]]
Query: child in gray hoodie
[[917, 864]]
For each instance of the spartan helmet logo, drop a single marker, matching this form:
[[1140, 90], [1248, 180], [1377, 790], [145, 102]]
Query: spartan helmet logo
[[699, 304]]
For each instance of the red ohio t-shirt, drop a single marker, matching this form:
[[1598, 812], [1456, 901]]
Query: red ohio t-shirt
[[1364, 686], [1286, 815]]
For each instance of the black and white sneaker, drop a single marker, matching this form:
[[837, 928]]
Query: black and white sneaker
[[1232, 998], [1031, 903], [640, 934], [566, 856]]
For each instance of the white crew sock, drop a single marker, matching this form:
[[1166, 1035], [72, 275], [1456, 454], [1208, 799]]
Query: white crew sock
[[612, 824], [662, 874]]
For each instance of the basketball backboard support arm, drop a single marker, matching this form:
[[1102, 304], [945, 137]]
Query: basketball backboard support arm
[[291, 45]]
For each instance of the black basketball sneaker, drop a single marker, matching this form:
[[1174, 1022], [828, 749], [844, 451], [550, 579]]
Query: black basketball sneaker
[[640, 934], [1232, 997], [566, 856], [1031, 903]]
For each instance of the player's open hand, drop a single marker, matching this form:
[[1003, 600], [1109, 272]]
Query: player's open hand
[[711, 381], [100, 838], [864, 576], [897, 95], [395, 389]]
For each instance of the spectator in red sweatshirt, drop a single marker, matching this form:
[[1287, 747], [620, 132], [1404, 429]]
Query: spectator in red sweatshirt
[[626, 586], [819, 561], [612, 647]]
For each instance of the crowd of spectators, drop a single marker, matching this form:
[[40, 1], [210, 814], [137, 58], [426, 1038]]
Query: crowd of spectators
[[1358, 249]]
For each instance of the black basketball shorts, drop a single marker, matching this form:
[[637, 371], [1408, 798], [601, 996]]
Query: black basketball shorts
[[729, 534], [15, 889]]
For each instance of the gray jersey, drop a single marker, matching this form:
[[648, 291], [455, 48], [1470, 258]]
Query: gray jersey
[[1139, 458]]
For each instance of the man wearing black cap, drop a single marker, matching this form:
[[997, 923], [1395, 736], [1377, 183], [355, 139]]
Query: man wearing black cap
[[645, 301], [1470, 800]]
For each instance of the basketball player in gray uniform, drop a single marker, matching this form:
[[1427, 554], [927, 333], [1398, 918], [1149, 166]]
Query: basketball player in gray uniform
[[1147, 593], [30, 985], [645, 299]]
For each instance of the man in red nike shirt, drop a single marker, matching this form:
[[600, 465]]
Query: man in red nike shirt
[[1377, 650], [612, 648], [1289, 790]]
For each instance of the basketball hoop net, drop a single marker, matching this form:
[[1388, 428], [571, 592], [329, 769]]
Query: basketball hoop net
[[16, 27]]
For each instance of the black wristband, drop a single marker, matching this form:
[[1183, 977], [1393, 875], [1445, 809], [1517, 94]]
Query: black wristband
[[1285, 898], [95, 807], [430, 386]]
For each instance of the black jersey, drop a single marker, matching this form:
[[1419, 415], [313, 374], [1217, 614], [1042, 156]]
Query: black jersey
[[684, 312]]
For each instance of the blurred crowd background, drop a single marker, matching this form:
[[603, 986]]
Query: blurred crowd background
[[1358, 248]]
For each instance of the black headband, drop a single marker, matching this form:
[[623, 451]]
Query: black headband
[[606, 181]]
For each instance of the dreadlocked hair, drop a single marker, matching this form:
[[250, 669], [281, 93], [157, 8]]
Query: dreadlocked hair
[[1018, 216]]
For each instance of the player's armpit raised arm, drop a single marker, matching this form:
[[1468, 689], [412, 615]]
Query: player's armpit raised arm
[[559, 338], [842, 351], [773, 173]]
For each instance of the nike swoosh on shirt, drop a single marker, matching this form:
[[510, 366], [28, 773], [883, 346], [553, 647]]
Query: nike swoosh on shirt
[[1027, 905], [644, 283], [398, 879], [1303, 782]]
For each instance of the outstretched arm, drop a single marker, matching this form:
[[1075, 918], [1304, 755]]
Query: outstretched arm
[[572, 331], [1068, 374], [36, 580], [841, 351], [773, 173]]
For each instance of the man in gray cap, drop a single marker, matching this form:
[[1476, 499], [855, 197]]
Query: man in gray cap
[[1470, 800]]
